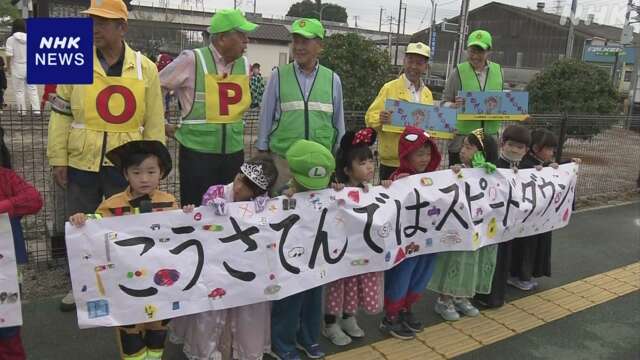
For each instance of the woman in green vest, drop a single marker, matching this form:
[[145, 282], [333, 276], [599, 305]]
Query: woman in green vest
[[476, 74]]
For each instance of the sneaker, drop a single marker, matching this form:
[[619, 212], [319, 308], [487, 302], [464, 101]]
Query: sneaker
[[464, 306], [312, 352], [447, 310], [396, 328], [334, 333], [350, 326], [68, 303], [409, 320], [293, 355], [522, 285]]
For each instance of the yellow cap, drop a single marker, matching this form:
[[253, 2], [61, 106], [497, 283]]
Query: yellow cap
[[110, 9], [418, 48]]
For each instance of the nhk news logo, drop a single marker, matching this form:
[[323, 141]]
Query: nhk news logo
[[60, 51]]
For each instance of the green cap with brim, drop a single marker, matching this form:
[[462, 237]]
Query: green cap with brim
[[481, 39], [230, 19], [308, 28], [311, 164]]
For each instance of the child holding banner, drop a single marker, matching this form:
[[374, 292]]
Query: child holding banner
[[514, 144], [459, 275], [143, 163], [17, 198], [531, 255], [354, 167], [296, 320], [405, 283], [250, 324]]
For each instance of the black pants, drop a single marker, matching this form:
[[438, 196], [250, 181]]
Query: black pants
[[86, 189], [386, 171], [199, 171]]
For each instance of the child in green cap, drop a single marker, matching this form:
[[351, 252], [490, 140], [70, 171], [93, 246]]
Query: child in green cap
[[296, 320]]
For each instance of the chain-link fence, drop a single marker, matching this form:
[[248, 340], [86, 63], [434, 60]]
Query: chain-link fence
[[609, 147]]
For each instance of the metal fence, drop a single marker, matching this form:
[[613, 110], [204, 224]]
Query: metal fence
[[609, 147]]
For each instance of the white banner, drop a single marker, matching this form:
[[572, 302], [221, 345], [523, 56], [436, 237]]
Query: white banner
[[134, 269], [10, 308]]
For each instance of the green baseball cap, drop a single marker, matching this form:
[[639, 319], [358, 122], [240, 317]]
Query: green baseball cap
[[308, 28], [480, 38], [311, 164], [230, 19]]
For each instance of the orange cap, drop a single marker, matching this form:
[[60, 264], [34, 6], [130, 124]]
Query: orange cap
[[110, 9]]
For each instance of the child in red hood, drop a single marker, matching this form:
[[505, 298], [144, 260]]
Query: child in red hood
[[405, 283], [17, 198]]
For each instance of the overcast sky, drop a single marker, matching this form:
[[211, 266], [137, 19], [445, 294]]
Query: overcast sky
[[611, 12]]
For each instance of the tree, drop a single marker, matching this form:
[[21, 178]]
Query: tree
[[362, 66], [574, 87], [310, 9], [9, 12]]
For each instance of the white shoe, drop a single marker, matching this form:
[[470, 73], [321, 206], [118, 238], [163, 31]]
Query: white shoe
[[68, 303], [350, 326], [334, 333]]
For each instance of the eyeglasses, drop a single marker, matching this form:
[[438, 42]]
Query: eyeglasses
[[414, 137]]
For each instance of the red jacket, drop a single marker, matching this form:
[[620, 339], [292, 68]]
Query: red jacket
[[418, 138], [17, 197]]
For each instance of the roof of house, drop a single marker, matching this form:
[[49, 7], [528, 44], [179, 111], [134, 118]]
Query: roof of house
[[272, 32], [589, 30]]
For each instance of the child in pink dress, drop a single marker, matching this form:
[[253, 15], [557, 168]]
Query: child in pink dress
[[250, 325], [354, 167]]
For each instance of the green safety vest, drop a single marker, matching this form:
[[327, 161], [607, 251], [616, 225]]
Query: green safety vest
[[195, 133], [470, 82], [310, 119]]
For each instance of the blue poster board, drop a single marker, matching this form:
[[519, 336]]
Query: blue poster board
[[494, 105], [438, 121]]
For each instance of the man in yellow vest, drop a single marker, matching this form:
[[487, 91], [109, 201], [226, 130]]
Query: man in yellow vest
[[407, 87], [476, 74], [124, 103], [212, 86], [303, 100]]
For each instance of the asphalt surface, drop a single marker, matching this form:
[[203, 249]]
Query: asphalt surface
[[596, 241]]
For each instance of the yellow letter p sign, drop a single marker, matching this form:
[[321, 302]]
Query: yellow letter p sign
[[227, 97]]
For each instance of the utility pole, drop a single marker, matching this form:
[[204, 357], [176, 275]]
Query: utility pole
[[404, 21], [254, 6], [356, 20], [395, 61], [433, 23], [25, 8], [568, 54], [235, 4], [390, 18], [380, 22], [462, 31]]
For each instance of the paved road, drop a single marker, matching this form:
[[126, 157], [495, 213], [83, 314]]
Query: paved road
[[595, 241]]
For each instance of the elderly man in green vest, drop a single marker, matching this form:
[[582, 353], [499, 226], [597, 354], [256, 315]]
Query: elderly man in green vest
[[303, 100], [476, 74], [212, 85]]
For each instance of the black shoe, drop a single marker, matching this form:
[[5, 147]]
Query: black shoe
[[397, 329], [409, 320]]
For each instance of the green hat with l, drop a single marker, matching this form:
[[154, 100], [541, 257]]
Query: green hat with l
[[308, 28], [480, 38], [230, 19], [311, 164]]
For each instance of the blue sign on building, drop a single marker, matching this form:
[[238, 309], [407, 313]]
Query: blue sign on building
[[60, 51], [607, 54]]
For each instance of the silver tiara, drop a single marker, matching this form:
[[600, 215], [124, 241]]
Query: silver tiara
[[255, 174]]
